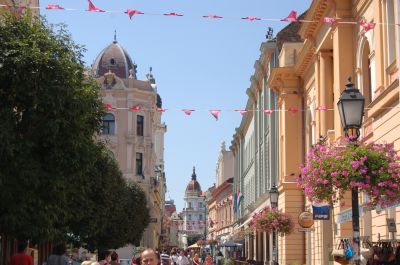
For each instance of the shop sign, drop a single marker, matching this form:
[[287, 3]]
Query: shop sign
[[306, 219], [379, 209], [321, 212], [391, 224], [347, 215]]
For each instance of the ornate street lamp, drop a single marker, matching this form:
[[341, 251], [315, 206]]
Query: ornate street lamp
[[351, 110], [273, 196]]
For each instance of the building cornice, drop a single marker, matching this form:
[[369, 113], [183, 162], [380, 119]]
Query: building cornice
[[360, 7], [305, 56], [283, 80], [315, 12]]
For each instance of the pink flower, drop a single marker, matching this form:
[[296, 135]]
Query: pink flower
[[355, 164]]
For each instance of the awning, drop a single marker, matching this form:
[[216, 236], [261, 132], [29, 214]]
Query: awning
[[194, 246], [231, 244]]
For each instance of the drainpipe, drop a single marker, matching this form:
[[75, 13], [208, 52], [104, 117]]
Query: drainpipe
[[307, 236]]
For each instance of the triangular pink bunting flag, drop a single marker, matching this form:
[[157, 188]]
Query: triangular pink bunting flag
[[132, 12], [329, 20], [173, 14], [135, 108], [188, 112], [108, 106], [292, 17], [251, 18], [93, 8], [54, 7], [322, 107], [293, 110], [367, 26], [161, 110], [268, 111], [241, 111], [215, 113], [212, 16]]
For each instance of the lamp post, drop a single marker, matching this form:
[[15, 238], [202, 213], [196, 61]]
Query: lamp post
[[351, 111], [273, 198]]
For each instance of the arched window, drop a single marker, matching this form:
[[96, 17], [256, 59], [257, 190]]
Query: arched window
[[366, 73], [108, 127]]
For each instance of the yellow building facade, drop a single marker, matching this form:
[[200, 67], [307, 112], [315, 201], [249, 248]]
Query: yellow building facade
[[313, 74]]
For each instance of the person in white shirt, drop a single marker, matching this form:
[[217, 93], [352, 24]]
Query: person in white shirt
[[182, 260], [174, 258]]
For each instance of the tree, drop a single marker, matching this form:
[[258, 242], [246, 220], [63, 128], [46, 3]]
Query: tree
[[53, 172], [115, 212]]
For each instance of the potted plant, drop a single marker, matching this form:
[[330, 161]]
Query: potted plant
[[270, 220], [332, 169]]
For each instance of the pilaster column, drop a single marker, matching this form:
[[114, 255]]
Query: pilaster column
[[326, 91]]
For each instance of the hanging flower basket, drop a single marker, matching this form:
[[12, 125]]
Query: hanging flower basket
[[331, 170], [270, 220]]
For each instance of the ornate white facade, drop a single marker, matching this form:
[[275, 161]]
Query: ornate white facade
[[194, 211]]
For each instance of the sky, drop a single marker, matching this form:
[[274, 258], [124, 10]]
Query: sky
[[198, 63]]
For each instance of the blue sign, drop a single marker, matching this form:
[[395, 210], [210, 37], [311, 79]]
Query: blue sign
[[321, 212]]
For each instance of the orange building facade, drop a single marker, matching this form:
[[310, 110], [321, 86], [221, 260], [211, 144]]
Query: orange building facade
[[313, 73]]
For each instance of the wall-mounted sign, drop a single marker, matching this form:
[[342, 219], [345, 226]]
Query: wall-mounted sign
[[321, 212], [391, 224], [306, 219], [153, 220]]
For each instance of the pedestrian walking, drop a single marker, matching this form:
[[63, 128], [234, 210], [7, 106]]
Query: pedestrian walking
[[114, 258], [104, 257], [196, 259], [22, 258], [174, 258], [183, 260], [203, 256], [165, 259], [58, 255], [208, 260], [148, 257]]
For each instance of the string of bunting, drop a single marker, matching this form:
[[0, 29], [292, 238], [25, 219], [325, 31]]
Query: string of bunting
[[215, 112], [292, 17]]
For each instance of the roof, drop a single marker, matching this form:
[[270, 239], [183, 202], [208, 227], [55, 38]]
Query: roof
[[193, 186], [114, 58]]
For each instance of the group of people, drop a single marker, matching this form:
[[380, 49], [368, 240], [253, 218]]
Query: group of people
[[173, 258], [59, 257], [106, 257], [185, 259]]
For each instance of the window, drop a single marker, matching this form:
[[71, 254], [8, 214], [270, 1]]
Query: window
[[139, 164], [366, 74], [112, 61], [108, 127], [390, 32], [190, 205], [139, 125], [190, 217], [200, 205], [200, 217]]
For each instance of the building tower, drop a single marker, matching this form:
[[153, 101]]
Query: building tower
[[194, 211], [133, 129]]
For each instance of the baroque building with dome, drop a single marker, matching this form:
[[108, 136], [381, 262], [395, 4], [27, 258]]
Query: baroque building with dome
[[194, 212], [133, 130]]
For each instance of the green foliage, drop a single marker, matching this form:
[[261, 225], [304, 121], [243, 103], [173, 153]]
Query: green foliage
[[55, 179], [193, 239]]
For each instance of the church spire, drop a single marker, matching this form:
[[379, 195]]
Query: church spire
[[194, 174], [115, 36]]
